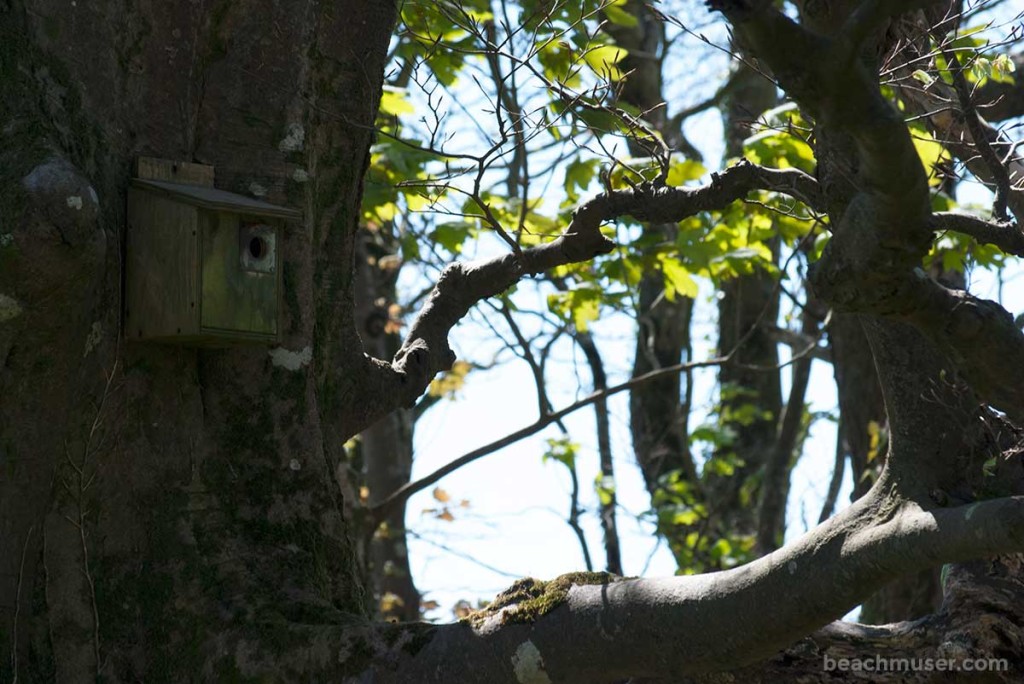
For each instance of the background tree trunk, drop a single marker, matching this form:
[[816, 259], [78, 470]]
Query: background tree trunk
[[658, 410], [386, 447], [172, 512], [750, 386]]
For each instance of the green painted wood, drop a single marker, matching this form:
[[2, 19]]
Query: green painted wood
[[161, 274], [203, 266], [235, 298]]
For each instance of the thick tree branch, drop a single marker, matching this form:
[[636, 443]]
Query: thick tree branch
[[426, 352], [685, 625], [979, 334], [669, 627]]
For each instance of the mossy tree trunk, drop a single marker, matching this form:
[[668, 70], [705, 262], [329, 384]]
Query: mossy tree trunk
[[169, 512]]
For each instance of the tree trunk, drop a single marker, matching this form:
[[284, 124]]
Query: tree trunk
[[750, 386], [658, 410], [863, 428], [386, 447], [170, 512]]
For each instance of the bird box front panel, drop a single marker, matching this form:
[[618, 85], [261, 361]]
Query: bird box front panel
[[240, 275]]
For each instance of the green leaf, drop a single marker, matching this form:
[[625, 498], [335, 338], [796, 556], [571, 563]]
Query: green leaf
[[410, 247], [678, 280], [605, 487], [924, 77], [579, 173], [392, 101], [721, 549], [581, 305], [619, 16], [931, 152], [819, 245], [449, 383], [683, 171], [989, 467], [603, 59], [561, 449], [685, 518], [981, 68], [451, 236], [720, 466], [1002, 67]]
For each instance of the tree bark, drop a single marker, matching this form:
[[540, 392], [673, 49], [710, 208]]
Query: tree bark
[[171, 512]]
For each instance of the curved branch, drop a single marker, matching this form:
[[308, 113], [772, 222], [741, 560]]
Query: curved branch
[[1006, 236], [979, 334], [675, 626], [426, 352]]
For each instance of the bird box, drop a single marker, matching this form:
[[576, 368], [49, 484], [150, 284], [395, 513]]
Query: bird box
[[203, 265]]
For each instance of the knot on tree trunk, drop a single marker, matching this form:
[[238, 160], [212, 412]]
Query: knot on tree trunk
[[62, 199]]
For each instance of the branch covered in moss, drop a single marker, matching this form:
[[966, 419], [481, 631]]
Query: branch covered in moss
[[596, 629]]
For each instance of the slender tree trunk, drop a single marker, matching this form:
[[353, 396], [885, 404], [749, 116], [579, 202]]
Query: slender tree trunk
[[612, 551], [750, 385], [658, 410], [386, 447]]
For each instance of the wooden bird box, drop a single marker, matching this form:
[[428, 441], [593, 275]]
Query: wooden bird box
[[203, 265]]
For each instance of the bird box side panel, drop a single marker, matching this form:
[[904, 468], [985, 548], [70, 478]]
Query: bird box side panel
[[239, 286], [161, 273]]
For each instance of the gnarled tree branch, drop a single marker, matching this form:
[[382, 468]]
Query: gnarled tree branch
[[426, 352]]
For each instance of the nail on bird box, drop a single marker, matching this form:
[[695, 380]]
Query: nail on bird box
[[203, 265]]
